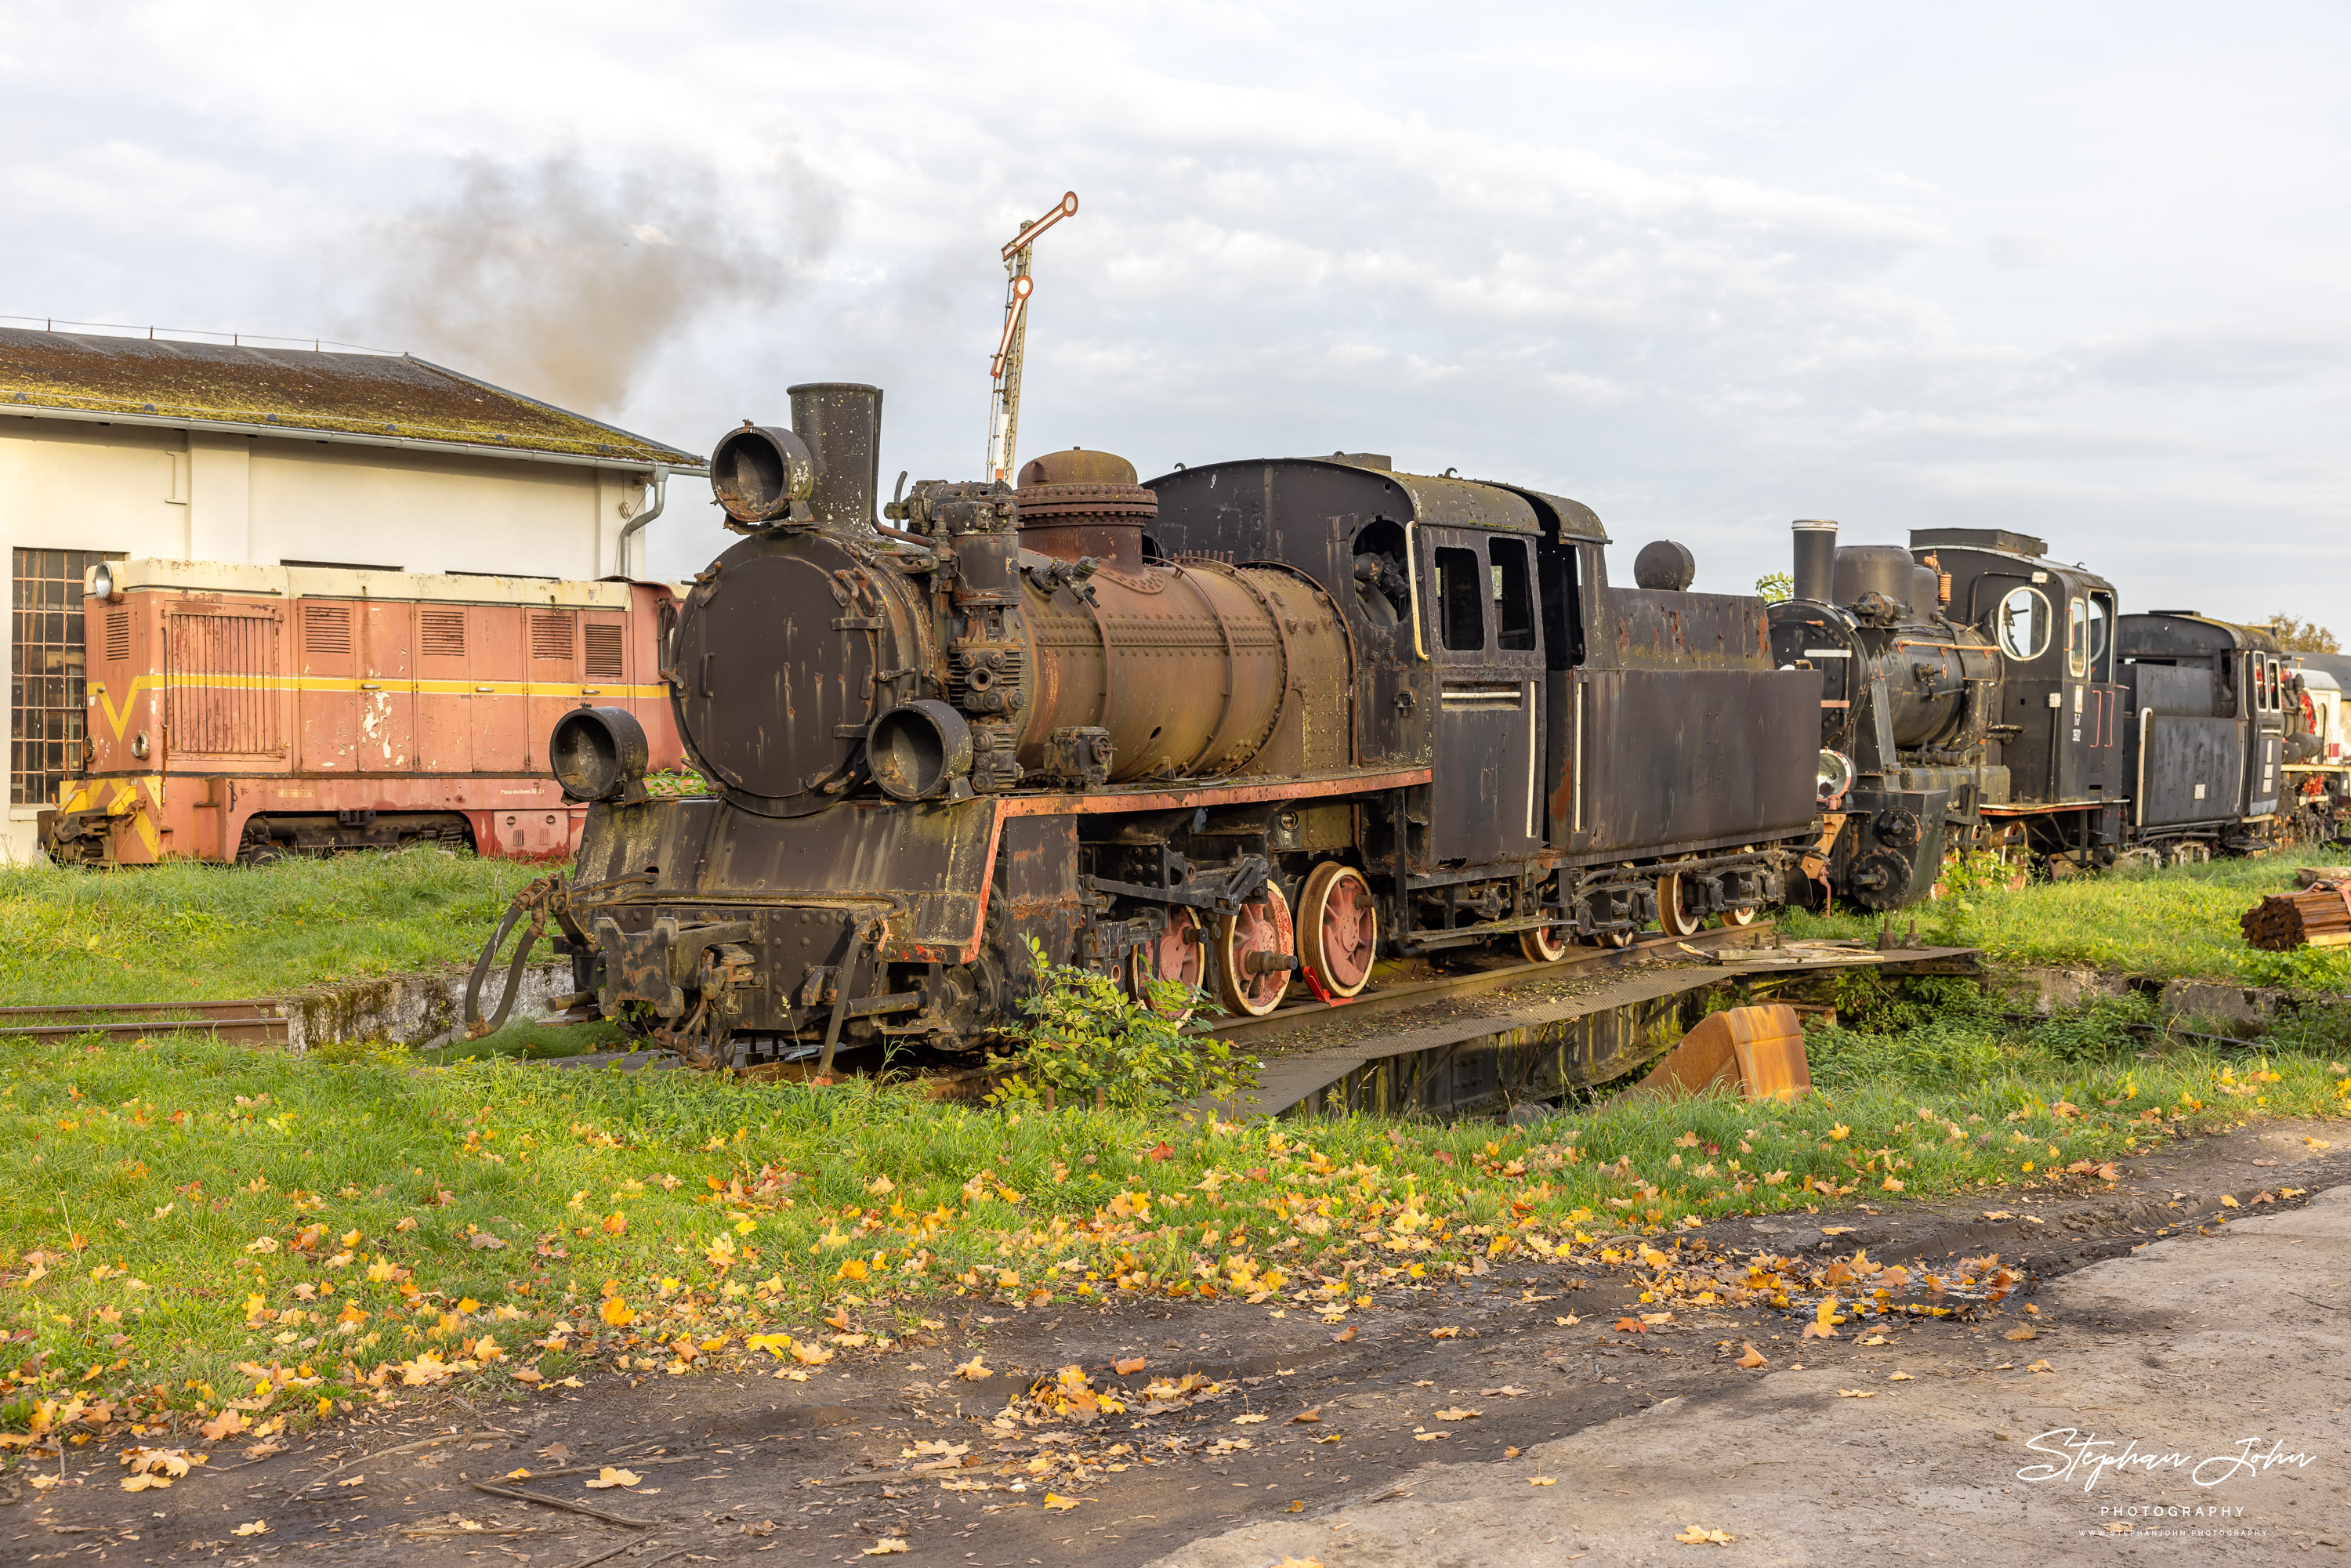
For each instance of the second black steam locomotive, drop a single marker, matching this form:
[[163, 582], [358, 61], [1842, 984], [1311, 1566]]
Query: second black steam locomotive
[[1252, 726], [1978, 694]]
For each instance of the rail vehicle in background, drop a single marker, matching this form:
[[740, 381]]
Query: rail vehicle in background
[[1978, 694], [2318, 745], [1252, 726], [2206, 747], [1968, 699], [241, 712]]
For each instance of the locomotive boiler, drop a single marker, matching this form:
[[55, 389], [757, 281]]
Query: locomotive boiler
[[1250, 726]]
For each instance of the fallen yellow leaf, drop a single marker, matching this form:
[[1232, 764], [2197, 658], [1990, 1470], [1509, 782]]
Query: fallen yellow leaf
[[1750, 1357], [611, 1476], [974, 1370], [1699, 1534], [1899, 1377], [1542, 1480], [887, 1546], [1062, 1504], [258, 1527], [1457, 1413]]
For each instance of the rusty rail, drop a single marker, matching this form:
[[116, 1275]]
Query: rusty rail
[[253, 1021]]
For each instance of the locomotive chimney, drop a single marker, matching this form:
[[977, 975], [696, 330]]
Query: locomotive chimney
[[1815, 575], [840, 423], [1078, 503]]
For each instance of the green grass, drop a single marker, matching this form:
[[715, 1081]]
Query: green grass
[[2178, 922], [180, 1218], [185, 931]]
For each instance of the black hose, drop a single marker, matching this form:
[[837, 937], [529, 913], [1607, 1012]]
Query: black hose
[[474, 1028]]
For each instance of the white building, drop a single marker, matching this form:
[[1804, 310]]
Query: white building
[[115, 447]]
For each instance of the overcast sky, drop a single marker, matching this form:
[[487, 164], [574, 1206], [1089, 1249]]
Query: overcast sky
[[2076, 269]]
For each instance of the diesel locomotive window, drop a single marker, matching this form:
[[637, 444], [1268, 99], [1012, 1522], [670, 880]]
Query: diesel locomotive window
[[2024, 623], [1514, 602], [1460, 600], [2077, 638]]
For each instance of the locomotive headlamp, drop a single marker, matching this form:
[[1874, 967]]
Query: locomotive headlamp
[[597, 753], [1835, 777], [101, 581], [919, 751], [761, 473]]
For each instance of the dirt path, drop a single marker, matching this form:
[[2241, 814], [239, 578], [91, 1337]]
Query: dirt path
[[2177, 1345]]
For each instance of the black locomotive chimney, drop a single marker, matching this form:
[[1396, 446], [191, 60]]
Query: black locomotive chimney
[[1815, 576], [840, 423]]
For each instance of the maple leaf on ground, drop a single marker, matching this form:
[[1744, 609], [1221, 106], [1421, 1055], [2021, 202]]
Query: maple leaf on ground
[[1062, 1504], [1824, 1317], [1631, 1326], [1307, 1416], [889, 1545], [974, 1371], [1508, 1391], [1542, 1480], [1129, 1368], [2042, 1365], [2021, 1334], [1856, 1393], [258, 1527], [1699, 1535], [612, 1477], [1457, 1413], [1750, 1357]]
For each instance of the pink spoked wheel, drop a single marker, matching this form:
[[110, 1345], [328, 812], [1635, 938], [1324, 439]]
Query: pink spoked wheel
[[1260, 930], [1339, 926], [1544, 945], [1179, 954]]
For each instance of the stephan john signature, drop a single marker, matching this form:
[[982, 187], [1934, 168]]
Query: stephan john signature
[[2093, 1458]]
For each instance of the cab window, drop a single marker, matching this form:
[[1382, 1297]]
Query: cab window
[[2077, 638], [1514, 603], [1460, 600]]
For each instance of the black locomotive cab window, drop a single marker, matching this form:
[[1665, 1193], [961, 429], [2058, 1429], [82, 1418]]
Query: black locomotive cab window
[[1563, 610], [2077, 638], [1514, 599], [1460, 600], [2024, 623], [2102, 639]]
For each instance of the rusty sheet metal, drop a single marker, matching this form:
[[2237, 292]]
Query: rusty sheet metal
[[1756, 1050], [390, 396], [1641, 629], [1675, 761]]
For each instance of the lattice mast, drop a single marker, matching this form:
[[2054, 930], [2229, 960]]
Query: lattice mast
[[1004, 401]]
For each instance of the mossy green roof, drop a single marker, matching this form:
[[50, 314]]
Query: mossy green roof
[[395, 398]]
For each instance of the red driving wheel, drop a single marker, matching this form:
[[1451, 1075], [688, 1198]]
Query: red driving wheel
[[1260, 929], [1178, 955], [1339, 925]]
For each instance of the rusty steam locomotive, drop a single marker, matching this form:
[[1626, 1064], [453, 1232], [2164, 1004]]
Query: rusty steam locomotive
[[1978, 694], [1251, 726]]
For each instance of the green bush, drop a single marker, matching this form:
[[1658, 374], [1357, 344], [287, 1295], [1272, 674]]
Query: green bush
[[1086, 1040]]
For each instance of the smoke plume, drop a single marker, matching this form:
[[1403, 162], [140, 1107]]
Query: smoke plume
[[562, 281]]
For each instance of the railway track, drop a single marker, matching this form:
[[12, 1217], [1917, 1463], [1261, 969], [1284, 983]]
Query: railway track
[[253, 1021]]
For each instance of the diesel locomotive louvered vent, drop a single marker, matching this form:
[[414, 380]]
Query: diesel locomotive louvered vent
[[551, 637], [444, 633], [325, 629], [117, 634], [604, 658]]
